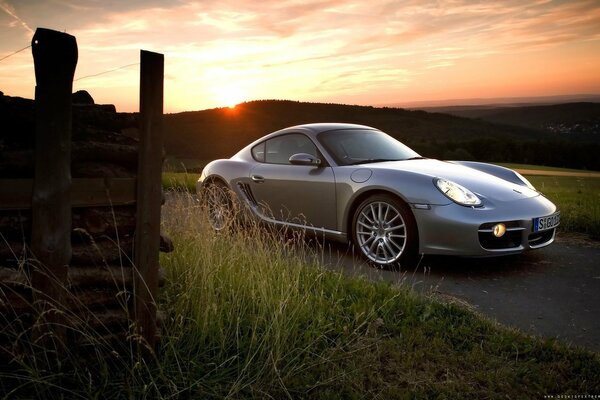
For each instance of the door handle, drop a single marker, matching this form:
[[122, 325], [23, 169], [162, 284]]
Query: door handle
[[257, 178]]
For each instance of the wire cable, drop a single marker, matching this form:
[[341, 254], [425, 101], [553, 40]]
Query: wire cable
[[105, 72], [12, 54]]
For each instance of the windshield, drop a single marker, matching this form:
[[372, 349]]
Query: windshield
[[359, 146]]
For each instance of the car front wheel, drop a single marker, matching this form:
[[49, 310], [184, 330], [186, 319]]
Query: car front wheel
[[385, 231]]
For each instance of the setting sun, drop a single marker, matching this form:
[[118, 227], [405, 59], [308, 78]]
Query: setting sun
[[229, 96], [347, 51]]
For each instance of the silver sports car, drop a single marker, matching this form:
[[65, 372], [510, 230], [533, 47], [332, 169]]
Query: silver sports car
[[353, 182]]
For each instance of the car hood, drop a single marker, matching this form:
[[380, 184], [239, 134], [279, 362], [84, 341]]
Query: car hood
[[483, 184]]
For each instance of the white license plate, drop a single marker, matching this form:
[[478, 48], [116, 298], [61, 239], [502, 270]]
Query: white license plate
[[545, 223]]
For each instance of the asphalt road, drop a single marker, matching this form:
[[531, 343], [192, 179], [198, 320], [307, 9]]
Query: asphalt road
[[550, 292]]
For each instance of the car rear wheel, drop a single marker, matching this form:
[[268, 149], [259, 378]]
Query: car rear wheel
[[385, 231], [219, 205]]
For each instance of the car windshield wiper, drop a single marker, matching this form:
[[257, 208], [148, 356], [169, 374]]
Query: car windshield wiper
[[375, 160]]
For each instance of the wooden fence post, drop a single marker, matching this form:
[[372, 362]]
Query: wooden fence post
[[55, 58], [149, 194]]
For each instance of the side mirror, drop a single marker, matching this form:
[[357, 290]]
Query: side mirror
[[304, 159]]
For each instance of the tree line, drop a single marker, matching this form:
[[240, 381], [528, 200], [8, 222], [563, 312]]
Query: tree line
[[555, 153], [220, 133]]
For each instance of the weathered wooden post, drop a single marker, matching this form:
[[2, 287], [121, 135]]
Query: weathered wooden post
[[149, 194], [55, 58]]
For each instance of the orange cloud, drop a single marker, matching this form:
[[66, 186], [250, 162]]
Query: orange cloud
[[318, 50]]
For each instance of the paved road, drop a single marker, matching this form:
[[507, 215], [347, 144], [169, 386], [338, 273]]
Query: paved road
[[551, 292]]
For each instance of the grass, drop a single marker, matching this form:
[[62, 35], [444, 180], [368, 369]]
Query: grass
[[182, 174], [182, 181], [258, 317], [251, 314], [578, 198], [175, 164], [540, 168]]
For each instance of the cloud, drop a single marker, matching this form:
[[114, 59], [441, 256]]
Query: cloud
[[8, 9], [329, 46], [304, 46]]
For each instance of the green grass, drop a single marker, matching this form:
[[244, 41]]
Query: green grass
[[540, 167], [251, 314], [175, 164], [578, 199], [181, 181], [254, 315]]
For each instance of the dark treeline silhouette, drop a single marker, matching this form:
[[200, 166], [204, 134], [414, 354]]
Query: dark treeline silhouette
[[579, 121], [557, 153], [219, 133]]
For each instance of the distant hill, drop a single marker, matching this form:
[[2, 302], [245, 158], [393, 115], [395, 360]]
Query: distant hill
[[499, 101], [221, 132], [577, 121], [563, 135], [516, 134]]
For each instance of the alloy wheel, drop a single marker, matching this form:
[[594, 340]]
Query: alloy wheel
[[381, 232]]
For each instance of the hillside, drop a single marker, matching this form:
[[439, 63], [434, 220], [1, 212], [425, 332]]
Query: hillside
[[221, 132], [577, 121]]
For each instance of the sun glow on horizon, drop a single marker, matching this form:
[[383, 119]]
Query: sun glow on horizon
[[229, 96], [375, 53]]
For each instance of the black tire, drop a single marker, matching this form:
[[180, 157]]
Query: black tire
[[220, 205], [385, 232]]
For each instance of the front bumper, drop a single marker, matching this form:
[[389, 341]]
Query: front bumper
[[456, 230]]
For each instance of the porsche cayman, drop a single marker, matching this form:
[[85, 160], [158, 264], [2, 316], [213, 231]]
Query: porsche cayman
[[355, 183]]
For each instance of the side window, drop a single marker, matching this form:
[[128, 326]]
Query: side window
[[280, 149], [258, 152]]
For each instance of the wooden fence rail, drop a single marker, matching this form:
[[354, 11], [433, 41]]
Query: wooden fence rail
[[88, 242]]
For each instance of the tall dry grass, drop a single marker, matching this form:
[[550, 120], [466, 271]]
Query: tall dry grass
[[258, 307], [249, 312]]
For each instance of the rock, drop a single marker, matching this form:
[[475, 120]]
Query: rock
[[82, 97]]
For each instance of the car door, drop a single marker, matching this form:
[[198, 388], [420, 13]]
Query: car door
[[299, 194]]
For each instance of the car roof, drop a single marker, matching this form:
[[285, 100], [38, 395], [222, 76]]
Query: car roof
[[324, 126], [309, 129]]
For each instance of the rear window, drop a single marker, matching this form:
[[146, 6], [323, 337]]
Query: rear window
[[258, 152]]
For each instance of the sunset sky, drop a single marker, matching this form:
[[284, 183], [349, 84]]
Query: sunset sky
[[376, 52]]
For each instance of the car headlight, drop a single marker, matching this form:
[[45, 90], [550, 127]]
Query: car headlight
[[457, 193]]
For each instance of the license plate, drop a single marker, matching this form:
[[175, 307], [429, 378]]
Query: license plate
[[545, 223]]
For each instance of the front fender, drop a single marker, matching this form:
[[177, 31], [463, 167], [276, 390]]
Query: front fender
[[411, 187]]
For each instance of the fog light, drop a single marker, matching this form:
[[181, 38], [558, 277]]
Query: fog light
[[499, 230]]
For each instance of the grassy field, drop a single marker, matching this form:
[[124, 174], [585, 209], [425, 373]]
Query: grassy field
[[577, 196], [542, 168], [274, 324], [578, 199], [251, 314], [185, 181]]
